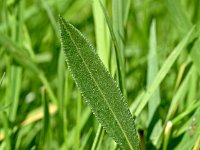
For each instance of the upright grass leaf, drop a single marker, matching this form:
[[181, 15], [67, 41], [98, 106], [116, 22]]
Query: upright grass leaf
[[98, 88], [78, 115], [154, 101], [98, 136], [61, 73], [196, 13], [193, 86], [86, 139], [118, 29], [15, 86], [157, 134], [13, 83], [119, 57], [101, 33], [45, 136], [118, 25], [195, 53], [164, 70]]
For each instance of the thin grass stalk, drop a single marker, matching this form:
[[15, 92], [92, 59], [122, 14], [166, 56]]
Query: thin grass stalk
[[98, 138]]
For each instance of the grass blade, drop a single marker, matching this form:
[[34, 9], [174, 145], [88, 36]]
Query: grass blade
[[118, 51], [86, 139], [195, 53], [45, 135], [154, 101], [101, 33], [193, 86], [98, 138], [15, 87], [98, 88], [164, 70]]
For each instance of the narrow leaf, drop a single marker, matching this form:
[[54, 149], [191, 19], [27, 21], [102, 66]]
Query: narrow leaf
[[98, 88], [154, 100], [119, 58], [164, 70], [14, 90], [195, 53], [102, 35]]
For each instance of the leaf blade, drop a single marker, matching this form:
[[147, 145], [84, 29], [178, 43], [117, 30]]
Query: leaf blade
[[98, 88], [164, 70]]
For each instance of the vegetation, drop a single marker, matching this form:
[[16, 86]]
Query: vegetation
[[141, 55]]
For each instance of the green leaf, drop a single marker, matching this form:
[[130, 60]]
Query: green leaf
[[154, 100], [14, 90], [195, 53], [118, 50], [164, 70], [98, 88], [102, 35]]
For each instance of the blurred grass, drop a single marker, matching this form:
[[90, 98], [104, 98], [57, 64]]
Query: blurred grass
[[31, 59]]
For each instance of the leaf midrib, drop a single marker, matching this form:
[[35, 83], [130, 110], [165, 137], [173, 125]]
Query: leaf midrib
[[98, 87]]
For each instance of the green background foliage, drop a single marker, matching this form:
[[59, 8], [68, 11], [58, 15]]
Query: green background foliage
[[150, 47]]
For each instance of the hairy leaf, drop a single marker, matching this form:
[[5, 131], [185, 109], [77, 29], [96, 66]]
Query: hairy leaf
[[98, 88]]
